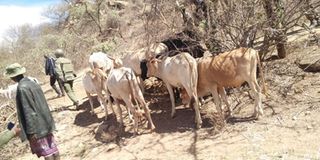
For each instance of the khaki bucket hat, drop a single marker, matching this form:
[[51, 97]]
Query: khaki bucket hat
[[14, 70]]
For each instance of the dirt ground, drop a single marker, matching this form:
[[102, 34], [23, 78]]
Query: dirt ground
[[288, 130]]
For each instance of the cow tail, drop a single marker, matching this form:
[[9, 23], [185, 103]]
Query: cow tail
[[194, 80], [264, 87], [131, 85]]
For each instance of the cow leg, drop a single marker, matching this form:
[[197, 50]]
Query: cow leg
[[223, 95], [197, 111], [201, 101], [116, 101], [102, 101], [259, 103], [140, 83], [129, 114], [257, 98], [173, 109], [214, 92], [91, 103], [197, 116], [146, 111], [110, 105], [133, 111], [138, 106]]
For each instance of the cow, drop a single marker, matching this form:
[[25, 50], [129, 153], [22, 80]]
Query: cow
[[101, 60], [177, 71], [122, 84], [133, 60], [228, 69], [93, 84]]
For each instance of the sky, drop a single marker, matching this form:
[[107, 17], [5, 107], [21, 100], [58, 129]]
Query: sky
[[17, 12]]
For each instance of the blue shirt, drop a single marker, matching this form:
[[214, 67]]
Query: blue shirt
[[50, 66]]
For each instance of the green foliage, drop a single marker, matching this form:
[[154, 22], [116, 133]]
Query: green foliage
[[108, 46]]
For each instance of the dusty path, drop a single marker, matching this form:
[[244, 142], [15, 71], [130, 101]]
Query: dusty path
[[289, 130]]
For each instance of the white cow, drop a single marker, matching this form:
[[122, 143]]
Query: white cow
[[101, 60], [122, 84], [178, 71], [93, 84], [134, 60]]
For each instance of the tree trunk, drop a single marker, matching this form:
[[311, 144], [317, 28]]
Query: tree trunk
[[281, 37], [275, 12], [281, 49], [264, 49]]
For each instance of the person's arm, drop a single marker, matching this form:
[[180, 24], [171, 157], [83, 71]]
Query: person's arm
[[7, 135], [46, 66]]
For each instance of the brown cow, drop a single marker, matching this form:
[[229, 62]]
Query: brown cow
[[229, 69]]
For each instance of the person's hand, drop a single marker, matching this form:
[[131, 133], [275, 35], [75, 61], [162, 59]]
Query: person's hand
[[17, 131]]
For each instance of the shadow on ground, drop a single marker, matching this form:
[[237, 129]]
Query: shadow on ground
[[85, 118]]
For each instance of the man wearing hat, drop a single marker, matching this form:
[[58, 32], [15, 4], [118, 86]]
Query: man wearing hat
[[34, 116]]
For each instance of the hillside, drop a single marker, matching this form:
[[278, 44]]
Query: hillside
[[288, 130]]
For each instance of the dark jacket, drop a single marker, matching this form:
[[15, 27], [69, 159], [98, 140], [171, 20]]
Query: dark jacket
[[50, 66], [33, 111]]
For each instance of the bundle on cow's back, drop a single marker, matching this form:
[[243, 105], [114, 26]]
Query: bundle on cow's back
[[183, 43]]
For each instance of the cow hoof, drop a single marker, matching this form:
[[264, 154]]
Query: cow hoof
[[152, 127], [136, 133], [92, 113], [152, 130], [255, 116], [260, 112], [173, 116], [198, 125]]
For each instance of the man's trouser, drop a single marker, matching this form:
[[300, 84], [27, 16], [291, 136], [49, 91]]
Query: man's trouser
[[53, 80], [68, 86]]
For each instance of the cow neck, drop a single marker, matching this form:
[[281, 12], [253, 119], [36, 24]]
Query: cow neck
[[161, 69]]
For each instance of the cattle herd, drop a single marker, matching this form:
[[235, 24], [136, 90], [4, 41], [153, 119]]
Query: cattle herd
[[196, 76], [120, 79]]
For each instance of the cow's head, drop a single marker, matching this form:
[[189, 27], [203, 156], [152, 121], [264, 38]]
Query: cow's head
[[100, 77], [117, 63], [99, 73], [153, 67]]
